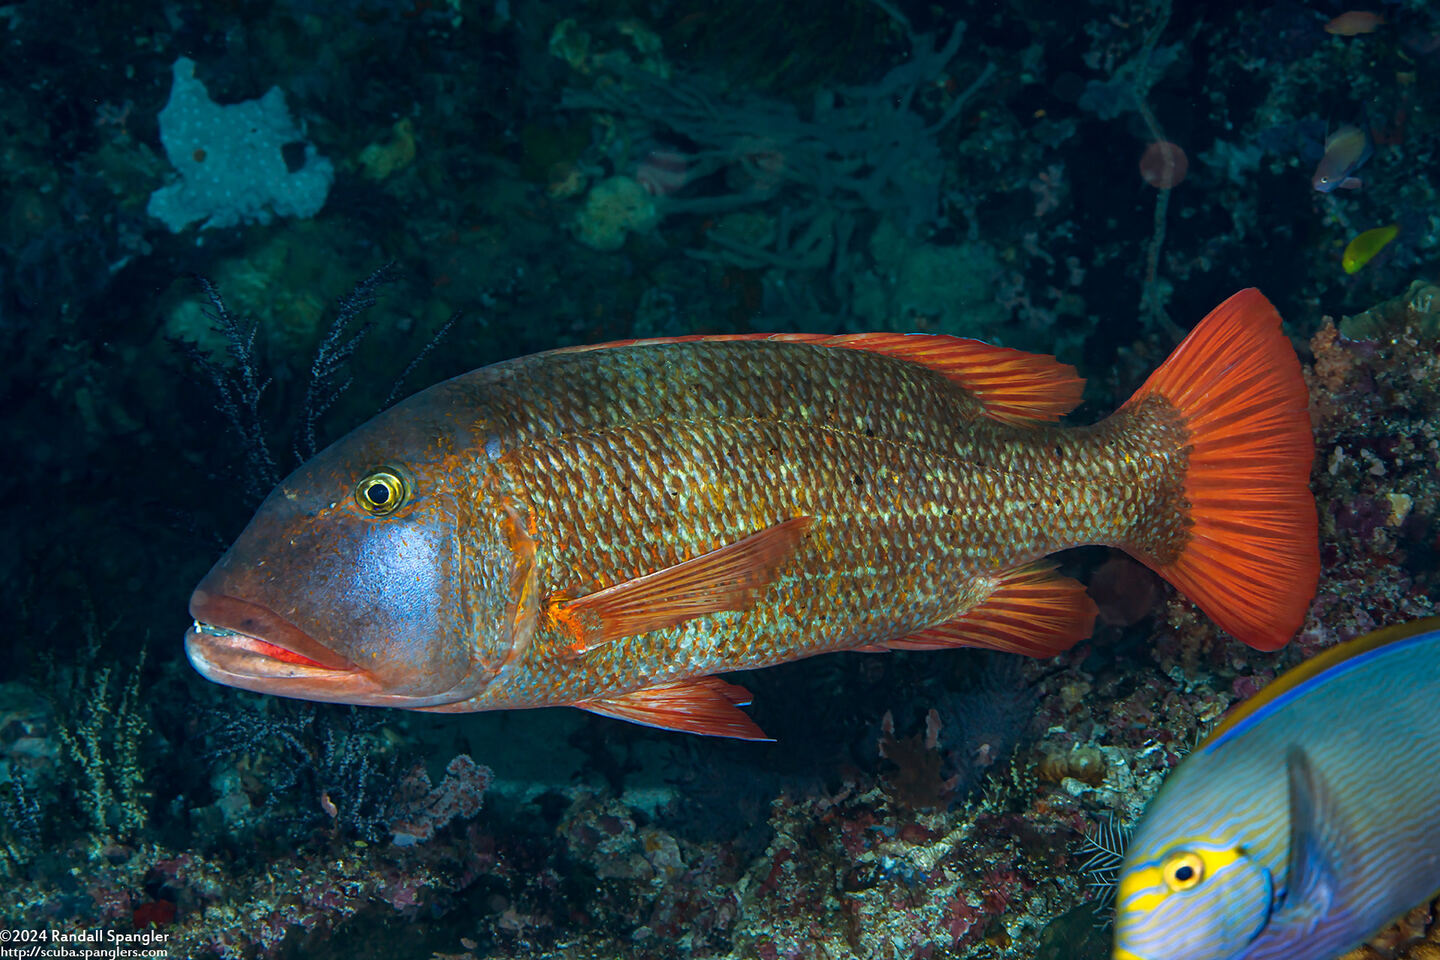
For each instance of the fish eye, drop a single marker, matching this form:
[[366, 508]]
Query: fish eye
[[1182, 870], [382, 491]]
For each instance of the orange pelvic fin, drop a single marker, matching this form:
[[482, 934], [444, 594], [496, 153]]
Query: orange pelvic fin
[[724, 579], [1251, 559], [707, 705], [1032, 611], [1014, 386]]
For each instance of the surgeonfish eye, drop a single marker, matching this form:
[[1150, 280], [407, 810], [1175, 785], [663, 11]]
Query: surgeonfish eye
[[383, 491], [1182, 870]]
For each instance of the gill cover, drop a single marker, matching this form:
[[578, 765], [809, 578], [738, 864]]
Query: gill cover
[[1195, 900]]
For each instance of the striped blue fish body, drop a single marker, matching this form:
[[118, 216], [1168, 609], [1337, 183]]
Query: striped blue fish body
[[1308, 819]]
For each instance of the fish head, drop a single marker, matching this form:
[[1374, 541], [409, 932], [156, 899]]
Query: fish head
[[1192, 899], [362, 576]]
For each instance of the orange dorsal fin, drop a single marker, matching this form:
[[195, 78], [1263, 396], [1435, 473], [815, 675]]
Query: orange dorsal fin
[[724, 579], [1032, 611], [705, 705], [1251, 557], [1014, 386]]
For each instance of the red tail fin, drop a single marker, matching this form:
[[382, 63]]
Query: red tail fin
[[1251, 559]]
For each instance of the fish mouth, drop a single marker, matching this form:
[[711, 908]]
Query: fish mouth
[[243, 644]]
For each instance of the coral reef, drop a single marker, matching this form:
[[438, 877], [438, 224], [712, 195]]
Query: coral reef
[[621, 170], [103, 741], [419, 809], [613, 208], [1415, 936], [234, 162]]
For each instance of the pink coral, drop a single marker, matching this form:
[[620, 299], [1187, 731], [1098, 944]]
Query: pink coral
[[421, 809]]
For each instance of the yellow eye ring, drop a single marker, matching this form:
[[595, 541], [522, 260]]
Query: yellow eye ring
[[1182, 870], [383, 491]]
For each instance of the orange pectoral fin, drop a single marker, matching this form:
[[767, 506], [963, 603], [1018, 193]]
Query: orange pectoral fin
[[707, 705], [724, 579], [1032, 611]]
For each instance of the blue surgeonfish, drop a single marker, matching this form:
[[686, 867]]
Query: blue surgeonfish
[[1305, 822]]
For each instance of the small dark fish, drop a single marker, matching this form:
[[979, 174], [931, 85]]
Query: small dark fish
[[1346, 151]]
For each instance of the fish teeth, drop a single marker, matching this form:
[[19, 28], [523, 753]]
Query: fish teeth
[[202, 627]]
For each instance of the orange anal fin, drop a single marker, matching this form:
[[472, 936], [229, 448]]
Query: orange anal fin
[[723, 579], [1014, 386], [707, 706], [1032, 612]]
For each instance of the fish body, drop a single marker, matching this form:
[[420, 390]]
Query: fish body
[[1285, 835], [1346, 151], [1363, 248], [1354, 23], [610, 527]]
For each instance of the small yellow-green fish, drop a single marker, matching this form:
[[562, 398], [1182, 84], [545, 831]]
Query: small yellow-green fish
[[1308, 820], [1363, 248]]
